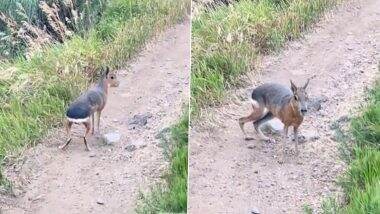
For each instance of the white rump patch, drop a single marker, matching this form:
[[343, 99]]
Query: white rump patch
[[81, 120], [265, 111]]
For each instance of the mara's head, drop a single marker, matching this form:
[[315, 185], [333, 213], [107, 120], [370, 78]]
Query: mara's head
[[300, 97], [111, 78]]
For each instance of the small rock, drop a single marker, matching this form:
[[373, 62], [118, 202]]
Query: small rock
[[140, 143], [250, 147], [274, 125], [315, 104], [343, 119], [255, 211], [99, 201], [111, 138], [139, 120], [130, 148], [256, 171], [92, 155]]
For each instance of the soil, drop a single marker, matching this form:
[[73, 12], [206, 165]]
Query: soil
[[231, 175], [108, 179]]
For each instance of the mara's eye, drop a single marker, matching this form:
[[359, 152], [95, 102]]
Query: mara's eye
[[112, 77], [296, 98]]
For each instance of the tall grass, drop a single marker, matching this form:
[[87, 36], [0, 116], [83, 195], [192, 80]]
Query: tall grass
[[34, 92], [227, 40], [361, 182], [15, 37], [171, 196]]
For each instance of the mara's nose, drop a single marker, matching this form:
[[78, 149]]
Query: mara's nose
[[303, 110]]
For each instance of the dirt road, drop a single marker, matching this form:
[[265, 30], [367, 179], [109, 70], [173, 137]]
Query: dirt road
[[108, 179], [230, 175]]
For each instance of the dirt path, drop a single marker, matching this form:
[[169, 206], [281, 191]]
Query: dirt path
[[76, 181], [230, 175]]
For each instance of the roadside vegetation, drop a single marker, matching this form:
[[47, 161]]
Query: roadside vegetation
[[227, 40], [171, 196], [361, 181], [36, 87]]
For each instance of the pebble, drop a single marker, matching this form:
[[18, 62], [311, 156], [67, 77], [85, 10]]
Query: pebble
[[111, 138], [130, 148], [100, 202]]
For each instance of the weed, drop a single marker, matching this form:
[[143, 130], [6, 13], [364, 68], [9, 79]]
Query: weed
[[330, 206], [361, 182], [307, 209], [171, 196]]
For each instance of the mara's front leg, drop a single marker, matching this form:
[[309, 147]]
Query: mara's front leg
[[92, 124], [285, 139], [296, 138]]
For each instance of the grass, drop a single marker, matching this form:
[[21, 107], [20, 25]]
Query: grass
[[171, 196], [31, 12], [34, 92], [227, 41], [361, 182]]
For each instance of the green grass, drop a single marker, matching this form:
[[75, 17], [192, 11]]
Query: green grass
[[34, 92], [361, 182], [171, 196], [227, 41]]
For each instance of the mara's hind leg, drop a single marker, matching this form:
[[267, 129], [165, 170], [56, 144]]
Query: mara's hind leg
[[88, 127], [98, 113], [68, 134], [255, 115], [257, 124]]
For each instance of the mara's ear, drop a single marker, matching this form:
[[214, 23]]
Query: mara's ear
[[107, 70], [293, 87], [306, 84]]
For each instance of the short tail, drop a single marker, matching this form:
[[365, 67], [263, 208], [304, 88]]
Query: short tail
[[254, 103]]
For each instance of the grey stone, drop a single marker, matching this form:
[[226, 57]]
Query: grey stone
[[139, 119], [99, 201], [310, 135], [130, 148], [315, 104], [111, 138], [274, 125], [140, 143]]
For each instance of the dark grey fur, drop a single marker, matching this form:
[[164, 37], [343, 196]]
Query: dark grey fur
[[272, 94], [86, 104]]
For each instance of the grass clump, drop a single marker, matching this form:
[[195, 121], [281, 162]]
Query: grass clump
[[26, 25], [227, 40], [35, 91], [361, 181], [171, 196]]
